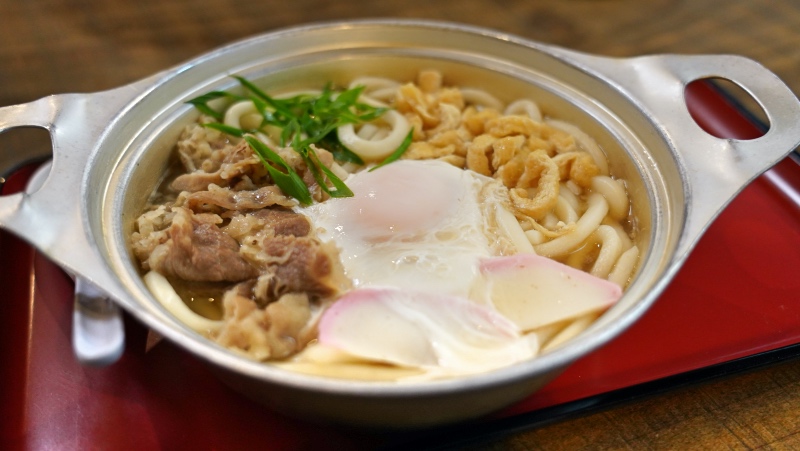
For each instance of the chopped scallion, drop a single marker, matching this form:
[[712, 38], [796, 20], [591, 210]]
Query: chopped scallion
[[304, 120]]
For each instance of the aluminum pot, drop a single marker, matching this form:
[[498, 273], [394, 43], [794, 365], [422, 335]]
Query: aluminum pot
[[110, 149]]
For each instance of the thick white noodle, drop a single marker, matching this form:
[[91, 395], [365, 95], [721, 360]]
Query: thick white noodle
[[623, 235], [374, 150], [350, 167], [380, 134], [565, 211], [566, 192], [624, 268], [551, 221], [381, 91], [524, 107], [289, 94], [166, 295], [610, 250], [383, 97], [586, 142], [368, 131], [548, 331], [571, 331], [481, 98], [573, 187], [509, 226], [615, 194], [586, 225], [535, 237], [242, 115], [340, 172], [266, 140]]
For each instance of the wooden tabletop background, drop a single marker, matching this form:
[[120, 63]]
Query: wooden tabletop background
[[57, 46]]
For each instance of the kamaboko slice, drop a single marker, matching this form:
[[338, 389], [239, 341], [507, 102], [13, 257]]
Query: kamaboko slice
[[445, 334]]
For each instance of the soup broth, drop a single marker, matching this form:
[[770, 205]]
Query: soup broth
[[399, 229]]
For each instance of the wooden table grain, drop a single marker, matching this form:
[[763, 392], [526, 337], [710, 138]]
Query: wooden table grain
[[57, 46]]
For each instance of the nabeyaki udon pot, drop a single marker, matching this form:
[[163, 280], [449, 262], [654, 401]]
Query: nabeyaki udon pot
[[110, 149]]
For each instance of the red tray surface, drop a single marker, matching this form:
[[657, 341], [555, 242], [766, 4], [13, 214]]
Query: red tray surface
[[735, 297]]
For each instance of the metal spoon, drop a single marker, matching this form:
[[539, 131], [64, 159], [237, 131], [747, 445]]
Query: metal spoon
[[98, 334]]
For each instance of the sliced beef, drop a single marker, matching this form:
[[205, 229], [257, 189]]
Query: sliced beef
[[216, 198], [199, 251], [238, 162], [196, 181], [277, 331], [284, 222], [303, 264]]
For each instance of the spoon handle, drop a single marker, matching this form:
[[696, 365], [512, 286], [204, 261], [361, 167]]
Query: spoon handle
[[98, 335]]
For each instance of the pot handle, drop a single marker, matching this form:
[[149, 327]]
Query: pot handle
[[714, 169], [41, 114], [52, 218], [34, 114]]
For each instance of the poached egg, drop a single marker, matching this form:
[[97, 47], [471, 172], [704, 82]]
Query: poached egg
[[433, 291], [418, 225]]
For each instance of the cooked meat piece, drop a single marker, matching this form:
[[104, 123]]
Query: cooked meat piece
[[202, 147], [274, 332], [303, 264], [199, 251], [196, 181], [229, 199], [236, 163], [284, 222]]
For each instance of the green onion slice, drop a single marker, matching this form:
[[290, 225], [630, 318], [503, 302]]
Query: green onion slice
[[305, 120], [289, 182], [398, 152]]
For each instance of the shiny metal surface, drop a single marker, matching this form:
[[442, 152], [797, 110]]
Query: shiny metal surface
[[98, 334], [111, 147]]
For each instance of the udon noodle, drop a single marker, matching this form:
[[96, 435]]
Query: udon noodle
[[236, 258]]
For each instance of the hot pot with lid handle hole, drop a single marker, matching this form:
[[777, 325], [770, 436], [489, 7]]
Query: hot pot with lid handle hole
[[60, 217]]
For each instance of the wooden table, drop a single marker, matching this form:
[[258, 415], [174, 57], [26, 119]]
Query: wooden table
[[56, 46]]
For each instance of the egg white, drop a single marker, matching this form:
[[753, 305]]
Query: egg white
[[419, 225]]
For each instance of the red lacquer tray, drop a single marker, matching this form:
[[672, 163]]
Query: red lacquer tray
[[732, 306]]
